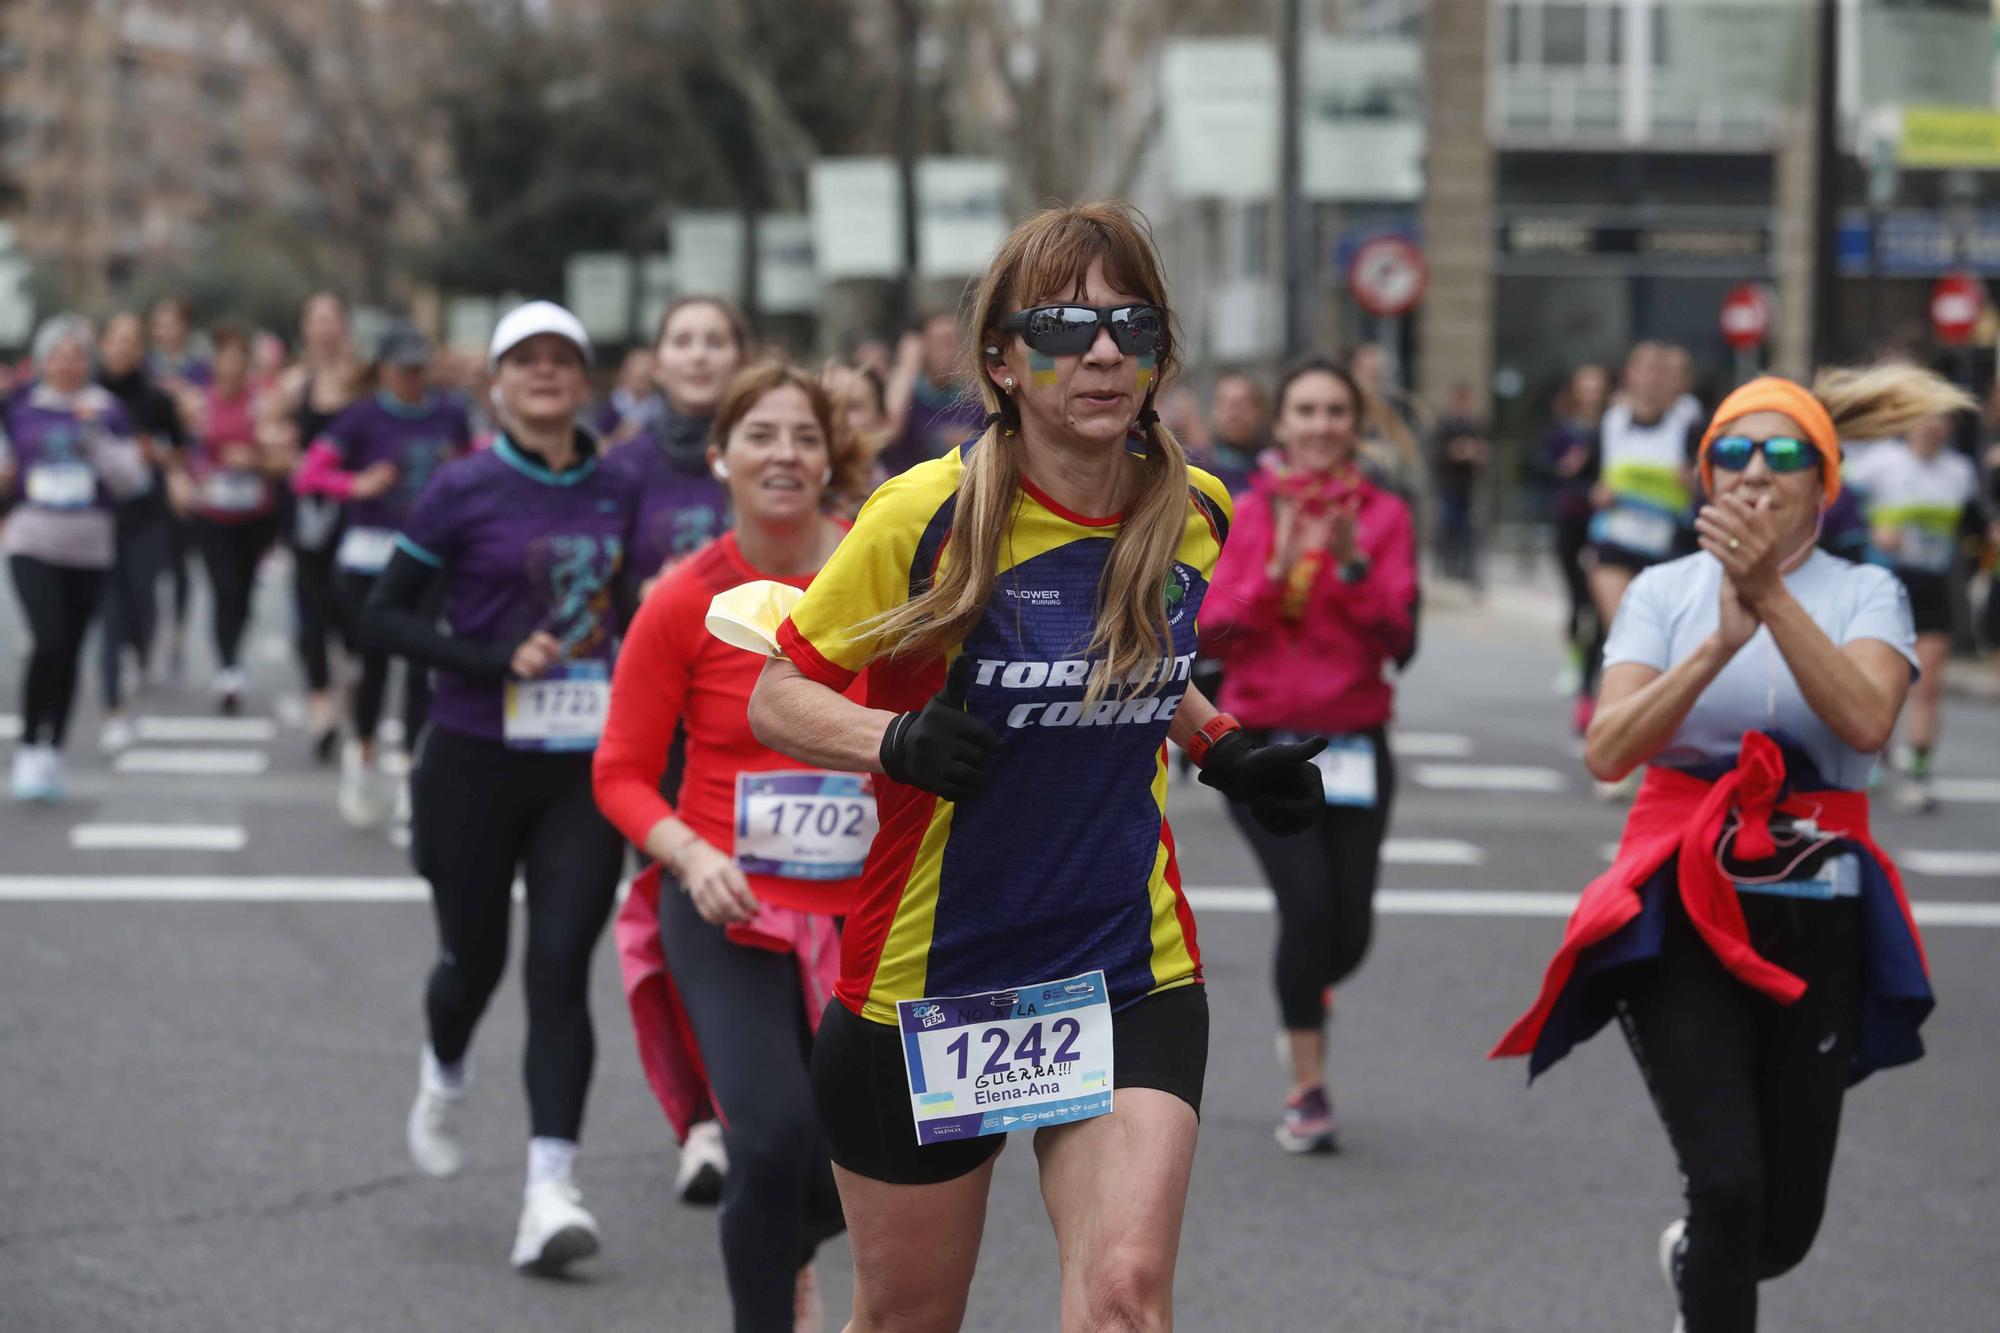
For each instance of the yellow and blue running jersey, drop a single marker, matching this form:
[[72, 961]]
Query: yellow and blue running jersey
[[1064, 864]]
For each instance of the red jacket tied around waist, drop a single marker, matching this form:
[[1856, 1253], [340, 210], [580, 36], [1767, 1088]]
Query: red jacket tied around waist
[[1681, 818]]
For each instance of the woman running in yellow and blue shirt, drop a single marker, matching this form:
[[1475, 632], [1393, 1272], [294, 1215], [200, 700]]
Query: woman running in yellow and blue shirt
[[1021, 956]]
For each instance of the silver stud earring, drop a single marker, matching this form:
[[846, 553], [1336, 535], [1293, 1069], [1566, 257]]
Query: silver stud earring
[[1010, 383]]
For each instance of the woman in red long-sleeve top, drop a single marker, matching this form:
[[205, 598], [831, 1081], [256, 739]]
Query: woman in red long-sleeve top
[[1314, 597], [756, 859]]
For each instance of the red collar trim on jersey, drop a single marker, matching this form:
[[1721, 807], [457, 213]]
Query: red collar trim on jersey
[[1041, 497]]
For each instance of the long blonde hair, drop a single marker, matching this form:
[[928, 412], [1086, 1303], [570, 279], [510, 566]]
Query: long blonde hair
[[1048, 257], [1887, 398]]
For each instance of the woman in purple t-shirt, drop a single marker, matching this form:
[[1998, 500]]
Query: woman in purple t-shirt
[[67, 452], [518, 549], [377, 457], [704, 341]]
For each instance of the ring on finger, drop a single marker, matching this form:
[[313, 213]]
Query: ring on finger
[[1734, 544]]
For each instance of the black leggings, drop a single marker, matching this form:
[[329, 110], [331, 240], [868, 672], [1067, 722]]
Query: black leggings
[[1750, 1093], [58, 601], [373, 686], [320, 614], [480, 812], [1572, 533], [131, 600], [749, 1019], [1325, 881], [230, 552], [180, 540]]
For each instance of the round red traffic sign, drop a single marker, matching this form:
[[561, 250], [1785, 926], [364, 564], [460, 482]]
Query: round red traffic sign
[[1957, 301], [1746, 316], [1387, 275]]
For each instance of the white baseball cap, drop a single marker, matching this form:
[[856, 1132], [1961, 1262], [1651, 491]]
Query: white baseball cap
[[536, 317]]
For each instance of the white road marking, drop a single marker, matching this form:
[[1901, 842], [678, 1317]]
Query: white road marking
[[1490, 777], [1967, 865], [1431, 852], [393, 889], [245, 729], [1966, 789], [212, 888], [1430, 745], [158, 837], [274, 648], [207, 763], [10, 726]]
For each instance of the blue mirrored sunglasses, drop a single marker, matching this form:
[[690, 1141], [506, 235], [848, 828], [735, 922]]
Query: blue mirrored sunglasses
[[1784, 453]]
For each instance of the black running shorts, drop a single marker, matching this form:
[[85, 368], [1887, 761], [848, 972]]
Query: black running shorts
[[863, 1092]]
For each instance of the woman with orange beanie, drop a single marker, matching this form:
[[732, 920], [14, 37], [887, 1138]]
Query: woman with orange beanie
[[1751, 938]]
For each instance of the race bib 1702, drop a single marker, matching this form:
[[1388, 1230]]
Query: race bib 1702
[[804, 825], [1009, 1060]]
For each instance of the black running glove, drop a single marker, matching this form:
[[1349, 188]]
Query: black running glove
[[1278, 782], [941, 747]]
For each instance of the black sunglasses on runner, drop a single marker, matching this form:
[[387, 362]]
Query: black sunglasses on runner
[[1069, 330]]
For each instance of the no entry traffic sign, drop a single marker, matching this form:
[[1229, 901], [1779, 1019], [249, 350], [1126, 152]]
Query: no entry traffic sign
[[1387, 276], [1956, 304], [1746, 316]]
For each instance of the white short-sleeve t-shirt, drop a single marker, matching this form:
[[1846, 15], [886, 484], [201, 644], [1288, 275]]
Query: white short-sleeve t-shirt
[[1671, 608]]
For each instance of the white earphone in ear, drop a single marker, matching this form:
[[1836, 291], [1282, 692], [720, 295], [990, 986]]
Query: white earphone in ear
[[827, 480], [721, 470]]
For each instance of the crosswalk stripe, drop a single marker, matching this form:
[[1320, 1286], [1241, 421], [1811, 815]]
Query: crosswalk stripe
[[10, 726], [1490, 777], [158, 837], [406, 889], [1431, 852], [1968, 865], [1430, 745], [207, 763], [1966, 789], [206, 729]]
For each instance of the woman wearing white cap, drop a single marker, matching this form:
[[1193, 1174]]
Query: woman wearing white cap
[[521, 545]]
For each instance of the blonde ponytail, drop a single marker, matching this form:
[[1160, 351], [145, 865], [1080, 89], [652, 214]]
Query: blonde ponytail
[[1885, 399]]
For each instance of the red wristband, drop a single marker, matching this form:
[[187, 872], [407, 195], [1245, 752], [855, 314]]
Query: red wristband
[[1212, 731]]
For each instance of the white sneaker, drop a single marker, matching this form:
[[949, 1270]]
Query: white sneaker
[[1670, 1244], [116, 735], [555, 1229], [26, 777], [46, 780], [360, 800], [704, 1162], [433, 1128], [230, 682], [1913, 796]]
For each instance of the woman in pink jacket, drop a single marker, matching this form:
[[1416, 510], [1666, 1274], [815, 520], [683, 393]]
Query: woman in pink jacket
[[1314, 595]]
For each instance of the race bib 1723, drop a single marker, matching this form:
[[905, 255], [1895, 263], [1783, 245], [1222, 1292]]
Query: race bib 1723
[[1009, 1060], [563, 710]]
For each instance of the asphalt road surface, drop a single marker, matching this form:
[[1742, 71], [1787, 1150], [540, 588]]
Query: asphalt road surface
[[209, 1023]]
